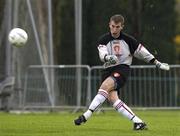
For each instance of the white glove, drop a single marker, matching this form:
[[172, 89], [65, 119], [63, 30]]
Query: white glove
[[163, 66], [111, 59]]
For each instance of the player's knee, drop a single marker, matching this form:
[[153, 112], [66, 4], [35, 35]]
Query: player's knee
[[112, 97], [107, 85]]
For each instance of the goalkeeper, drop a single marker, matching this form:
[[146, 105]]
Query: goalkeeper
[[116, 50]]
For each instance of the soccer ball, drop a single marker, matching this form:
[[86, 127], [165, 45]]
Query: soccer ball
[[18, 37]]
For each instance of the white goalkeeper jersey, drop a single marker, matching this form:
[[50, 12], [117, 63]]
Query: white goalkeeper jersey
[[124, 47]]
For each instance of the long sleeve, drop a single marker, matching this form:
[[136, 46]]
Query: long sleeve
[[102, 52], [142, 53]]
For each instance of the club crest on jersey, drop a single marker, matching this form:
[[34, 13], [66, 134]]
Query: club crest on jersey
[[117, 47], [116, 75]]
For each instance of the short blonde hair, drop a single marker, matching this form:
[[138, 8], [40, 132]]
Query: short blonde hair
[[117, 18]]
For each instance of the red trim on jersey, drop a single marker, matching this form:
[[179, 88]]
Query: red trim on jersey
[[140, 47]]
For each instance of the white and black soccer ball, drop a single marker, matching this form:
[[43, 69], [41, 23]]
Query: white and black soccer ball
[[18, 37]]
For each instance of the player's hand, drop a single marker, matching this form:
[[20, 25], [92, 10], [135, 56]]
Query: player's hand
[[111, 59], [163, 66]]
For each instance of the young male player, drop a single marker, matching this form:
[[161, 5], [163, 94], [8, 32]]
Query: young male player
[[116, 50]]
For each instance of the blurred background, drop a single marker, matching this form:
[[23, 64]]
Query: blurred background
[[65, 32]]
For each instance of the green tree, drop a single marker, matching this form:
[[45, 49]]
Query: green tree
[[152, 22], [64, 31], [158, 29]]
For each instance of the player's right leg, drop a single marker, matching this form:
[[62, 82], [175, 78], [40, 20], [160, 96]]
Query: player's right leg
[[97, 101], [101, 96]]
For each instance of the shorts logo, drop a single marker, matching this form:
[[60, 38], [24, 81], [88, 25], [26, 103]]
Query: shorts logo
[[116, 75]]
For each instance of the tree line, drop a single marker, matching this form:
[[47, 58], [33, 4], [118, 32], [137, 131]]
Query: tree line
[[151, 22]]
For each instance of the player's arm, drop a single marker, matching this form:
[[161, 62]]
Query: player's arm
[[104, 56], [142, 53]]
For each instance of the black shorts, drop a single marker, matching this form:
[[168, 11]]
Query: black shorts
[[119, 73]]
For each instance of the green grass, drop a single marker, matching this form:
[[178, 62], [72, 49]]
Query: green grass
[[160, 123]]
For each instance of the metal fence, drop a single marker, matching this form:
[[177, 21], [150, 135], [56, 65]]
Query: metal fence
[[148, 86], [67, 88], [75, 86]]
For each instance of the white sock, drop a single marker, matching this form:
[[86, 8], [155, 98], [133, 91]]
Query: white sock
[[87, 114], [122, 108], [96, 102], [137, 120]]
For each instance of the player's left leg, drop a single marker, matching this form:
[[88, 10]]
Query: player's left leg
[[119, 105], [122, 108]]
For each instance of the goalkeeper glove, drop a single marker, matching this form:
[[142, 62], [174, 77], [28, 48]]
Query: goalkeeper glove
[[163, 66], [111, 59]]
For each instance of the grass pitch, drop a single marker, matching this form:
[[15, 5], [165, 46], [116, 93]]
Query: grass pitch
[[110, 123]]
